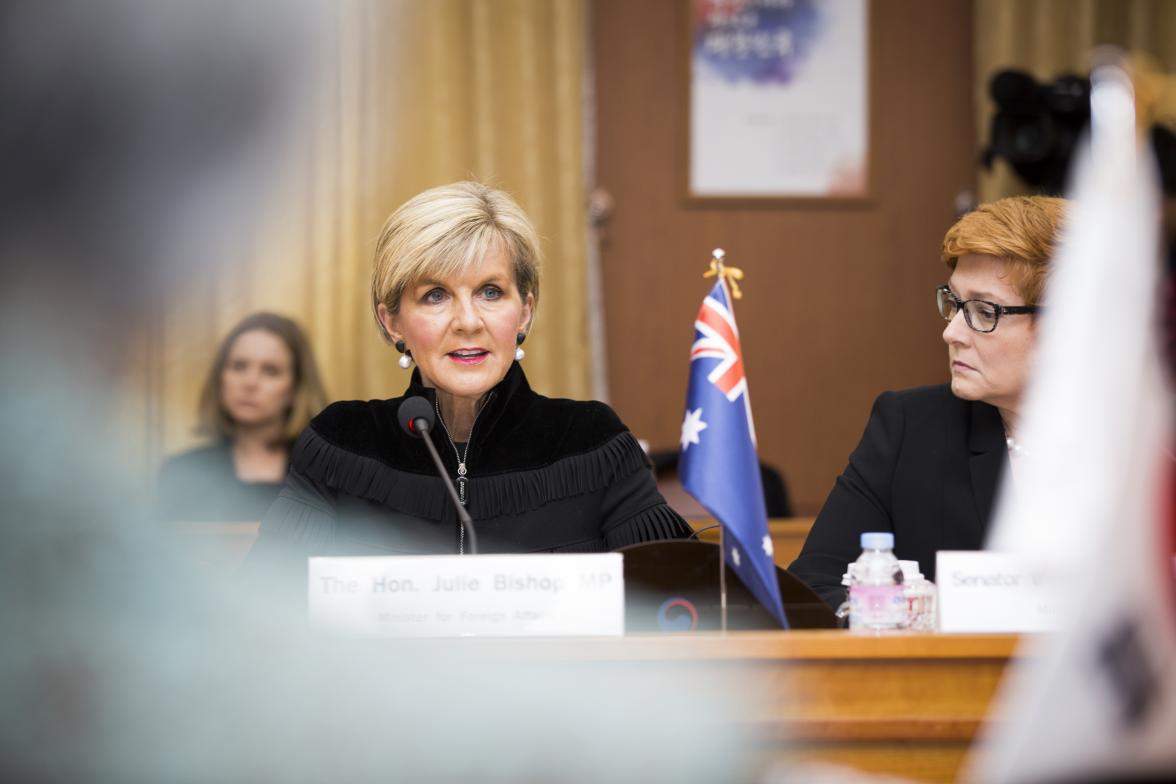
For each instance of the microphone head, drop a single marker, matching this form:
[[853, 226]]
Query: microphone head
[[411, 411]]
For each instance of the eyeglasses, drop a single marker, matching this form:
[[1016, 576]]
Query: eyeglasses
[[979, 314]]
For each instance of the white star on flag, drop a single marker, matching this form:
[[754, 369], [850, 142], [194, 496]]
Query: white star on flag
[[735, 556], [692, 425], [768, 549]]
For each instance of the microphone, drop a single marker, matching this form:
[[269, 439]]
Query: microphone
[[414, 413], [416, 418]]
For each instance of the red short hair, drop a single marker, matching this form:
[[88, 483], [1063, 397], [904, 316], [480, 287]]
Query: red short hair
[[1022, 230]]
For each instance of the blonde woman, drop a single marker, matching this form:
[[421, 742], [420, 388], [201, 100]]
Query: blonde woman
[[454, 289]]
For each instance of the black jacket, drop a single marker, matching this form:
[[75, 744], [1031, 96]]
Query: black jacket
[[545, 475], [926, 469]]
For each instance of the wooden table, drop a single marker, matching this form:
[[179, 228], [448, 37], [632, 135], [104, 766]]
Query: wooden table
[[223, 546], [906, 704], [788, 535]]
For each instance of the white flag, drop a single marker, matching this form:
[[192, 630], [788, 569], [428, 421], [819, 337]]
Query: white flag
[[1098, 699]]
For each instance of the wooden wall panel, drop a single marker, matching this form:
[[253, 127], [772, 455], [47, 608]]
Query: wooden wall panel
[[838, 300]]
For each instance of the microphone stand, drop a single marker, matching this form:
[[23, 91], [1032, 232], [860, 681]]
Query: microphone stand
[[467, 523]]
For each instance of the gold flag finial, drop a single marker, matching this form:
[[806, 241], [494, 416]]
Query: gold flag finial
[[731, 274]]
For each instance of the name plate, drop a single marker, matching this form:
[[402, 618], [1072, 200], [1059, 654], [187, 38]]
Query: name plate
[[467, 596], [985, 591]]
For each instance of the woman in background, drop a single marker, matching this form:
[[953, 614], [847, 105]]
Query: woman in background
[[262, 390], [928, 464]]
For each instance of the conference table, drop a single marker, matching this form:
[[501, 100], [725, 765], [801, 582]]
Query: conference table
[[788, 535], [222, 546], [898, 703]]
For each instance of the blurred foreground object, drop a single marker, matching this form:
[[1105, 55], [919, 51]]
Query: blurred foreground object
[[139, 139], [1097, 701]]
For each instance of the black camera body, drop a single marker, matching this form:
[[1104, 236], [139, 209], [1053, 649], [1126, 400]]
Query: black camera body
[[1037, 126]]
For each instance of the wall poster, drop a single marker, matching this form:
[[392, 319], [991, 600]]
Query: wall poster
[[778, 99]]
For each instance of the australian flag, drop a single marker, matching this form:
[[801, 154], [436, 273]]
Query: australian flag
[[719, 465]]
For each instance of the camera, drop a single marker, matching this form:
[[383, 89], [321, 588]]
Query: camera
[[1037, 126]]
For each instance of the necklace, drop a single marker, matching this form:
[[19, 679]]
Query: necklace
[[461, 464], [1015, 449]]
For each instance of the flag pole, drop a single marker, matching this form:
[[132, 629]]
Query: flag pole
[[722, 579], [719, 271]]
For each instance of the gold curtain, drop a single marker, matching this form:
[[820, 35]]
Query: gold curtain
[[1051, 37], [417, 94]]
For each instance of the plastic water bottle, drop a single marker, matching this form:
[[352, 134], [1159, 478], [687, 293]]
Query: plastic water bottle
[[876, 599]]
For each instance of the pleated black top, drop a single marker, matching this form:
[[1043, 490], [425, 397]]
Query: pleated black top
[[543, 475]]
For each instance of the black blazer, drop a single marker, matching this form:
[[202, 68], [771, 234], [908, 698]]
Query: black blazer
[[926, 469]]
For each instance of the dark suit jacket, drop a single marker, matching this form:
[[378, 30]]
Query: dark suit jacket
[[926, 469]]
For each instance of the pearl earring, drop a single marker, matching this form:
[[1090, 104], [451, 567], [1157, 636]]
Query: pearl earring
[[405, 360], [519, 353]]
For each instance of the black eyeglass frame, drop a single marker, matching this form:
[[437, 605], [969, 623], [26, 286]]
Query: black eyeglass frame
[[999, 310]]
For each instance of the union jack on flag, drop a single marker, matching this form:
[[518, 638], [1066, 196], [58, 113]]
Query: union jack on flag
[[716, 336], [719, 465]]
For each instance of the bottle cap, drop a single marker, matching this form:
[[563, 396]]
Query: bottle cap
[[880, 540], [910, 570]]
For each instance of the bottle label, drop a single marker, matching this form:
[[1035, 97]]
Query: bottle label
[[877, 607]]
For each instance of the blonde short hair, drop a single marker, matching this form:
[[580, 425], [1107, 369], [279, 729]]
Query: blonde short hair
[[444, 231], [1022, 230], [309, 395]]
